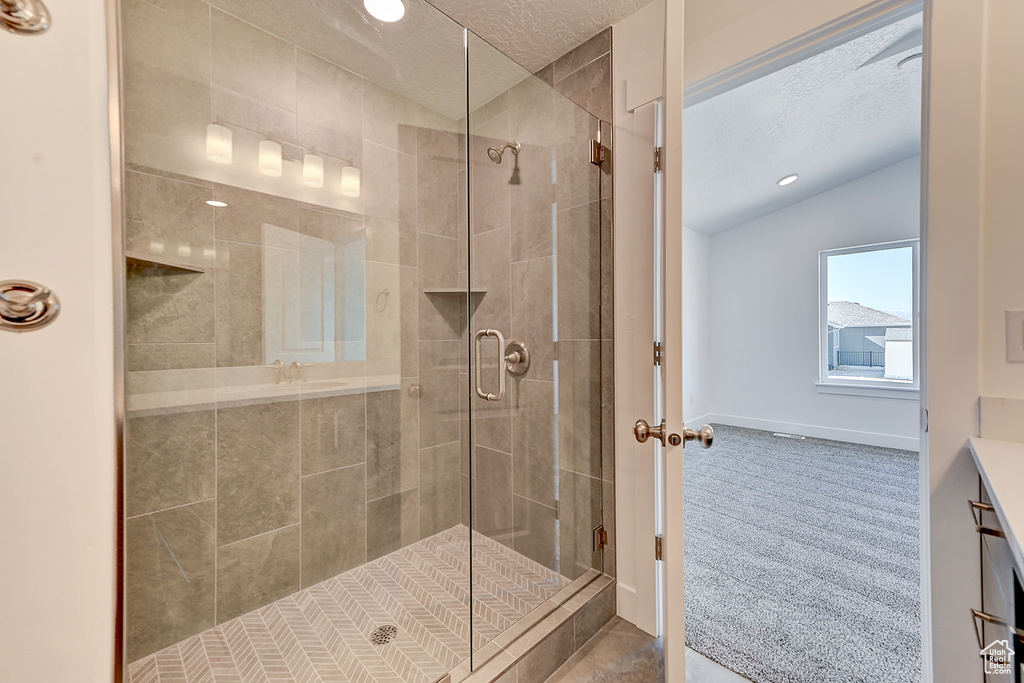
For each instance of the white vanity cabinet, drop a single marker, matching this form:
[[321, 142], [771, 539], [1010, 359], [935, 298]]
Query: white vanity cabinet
[[999, 518]]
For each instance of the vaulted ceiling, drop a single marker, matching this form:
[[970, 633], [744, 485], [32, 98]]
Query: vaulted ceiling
[[832, 118]]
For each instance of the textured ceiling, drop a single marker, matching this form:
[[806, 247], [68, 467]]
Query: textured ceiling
[[535, 32], [422, 57], [823, 118]]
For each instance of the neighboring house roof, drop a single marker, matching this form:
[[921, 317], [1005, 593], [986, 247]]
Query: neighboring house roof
[[899, 334], [850, 314]]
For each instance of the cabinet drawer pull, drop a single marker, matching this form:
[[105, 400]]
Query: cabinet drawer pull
[[978, 509]]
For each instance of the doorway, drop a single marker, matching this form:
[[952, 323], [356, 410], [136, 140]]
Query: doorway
[[802, 219]]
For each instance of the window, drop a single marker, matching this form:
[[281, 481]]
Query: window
[[869, 316]]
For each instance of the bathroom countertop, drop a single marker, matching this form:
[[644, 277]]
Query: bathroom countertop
[[1001, 465], [208, 398]]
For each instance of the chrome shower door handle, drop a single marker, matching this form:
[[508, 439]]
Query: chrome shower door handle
[[26, 305], [477, 339], [25, 17]]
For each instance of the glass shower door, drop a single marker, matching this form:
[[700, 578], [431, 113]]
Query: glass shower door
[[534, 384], [294, 333]]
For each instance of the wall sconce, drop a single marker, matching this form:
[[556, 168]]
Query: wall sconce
[[270, 158], [218, 144], [313, 170], [350, 181]]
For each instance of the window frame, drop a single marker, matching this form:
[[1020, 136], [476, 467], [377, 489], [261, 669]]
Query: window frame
[[868, 387]]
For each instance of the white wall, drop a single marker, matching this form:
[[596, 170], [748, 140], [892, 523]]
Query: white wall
[[1003, 227], [697, 378], [56, 398], [954, 121], [764, 312]]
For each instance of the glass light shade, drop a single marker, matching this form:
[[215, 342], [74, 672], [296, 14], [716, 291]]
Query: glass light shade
[[313, 170], [386, 10], [350, 181], [270, 158], [218, 144]]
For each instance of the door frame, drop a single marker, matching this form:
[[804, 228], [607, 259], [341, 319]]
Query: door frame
[[635, 599]]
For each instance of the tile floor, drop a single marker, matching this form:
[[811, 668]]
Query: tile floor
[[623, 653], [323, 633]]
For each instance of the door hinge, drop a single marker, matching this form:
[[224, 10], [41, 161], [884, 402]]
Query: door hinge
[[596, 152], [657, 353], [659, 153], [657, 548], [600, 538]]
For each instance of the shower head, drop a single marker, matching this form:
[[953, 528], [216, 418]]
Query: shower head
[[496, 153]]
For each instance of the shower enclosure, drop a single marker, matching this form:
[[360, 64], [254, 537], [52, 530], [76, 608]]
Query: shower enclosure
[[364, 373]]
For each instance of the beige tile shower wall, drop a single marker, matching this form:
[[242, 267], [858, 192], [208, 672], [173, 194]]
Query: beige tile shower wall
[[543, 478], [228, 509]]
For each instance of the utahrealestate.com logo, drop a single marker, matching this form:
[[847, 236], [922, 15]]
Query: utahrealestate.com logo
[[998, 657]]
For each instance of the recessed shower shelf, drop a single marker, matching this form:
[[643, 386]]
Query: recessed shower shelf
[[145, 264], [454, 290]]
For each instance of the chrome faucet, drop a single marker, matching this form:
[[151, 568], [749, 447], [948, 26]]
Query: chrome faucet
[[282, 377]]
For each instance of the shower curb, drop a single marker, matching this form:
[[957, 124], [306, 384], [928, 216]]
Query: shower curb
[[542, 641]]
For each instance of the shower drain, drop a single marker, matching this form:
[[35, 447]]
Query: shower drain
[[383, 635]]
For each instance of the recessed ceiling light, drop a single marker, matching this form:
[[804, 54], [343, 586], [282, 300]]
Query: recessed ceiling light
[[217, 203], [907, 62], [787, 179], [386, 10]]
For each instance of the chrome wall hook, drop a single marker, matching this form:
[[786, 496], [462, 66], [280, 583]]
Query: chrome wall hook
[[24, 17], [26, 306]]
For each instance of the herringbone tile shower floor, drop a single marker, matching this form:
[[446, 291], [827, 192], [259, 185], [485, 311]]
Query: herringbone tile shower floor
[[323, 633]]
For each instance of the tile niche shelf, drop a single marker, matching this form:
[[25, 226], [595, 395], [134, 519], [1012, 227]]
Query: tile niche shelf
[[446, 300], [432, 291], [147, 264]]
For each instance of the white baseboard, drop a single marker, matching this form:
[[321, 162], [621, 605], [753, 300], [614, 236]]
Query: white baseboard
[[848, 435], [694, 422]]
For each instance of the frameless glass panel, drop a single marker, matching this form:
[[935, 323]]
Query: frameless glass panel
[[535, 276], [292, 466]]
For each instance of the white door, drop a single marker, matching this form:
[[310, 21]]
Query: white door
[[57, 452], [648, 302], [671, 295]]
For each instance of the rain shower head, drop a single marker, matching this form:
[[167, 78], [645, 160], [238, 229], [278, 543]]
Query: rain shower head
[[496, 153]]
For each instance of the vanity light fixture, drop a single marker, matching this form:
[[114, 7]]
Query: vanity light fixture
[[787, 179], [270, 158], [350, 185], [218, 144], [217, 203], [388, 11], [313, 170]]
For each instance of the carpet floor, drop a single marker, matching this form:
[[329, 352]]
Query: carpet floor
[[802, 561]]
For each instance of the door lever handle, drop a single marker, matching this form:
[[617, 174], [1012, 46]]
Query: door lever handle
[[706, 435], [644, 431]]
